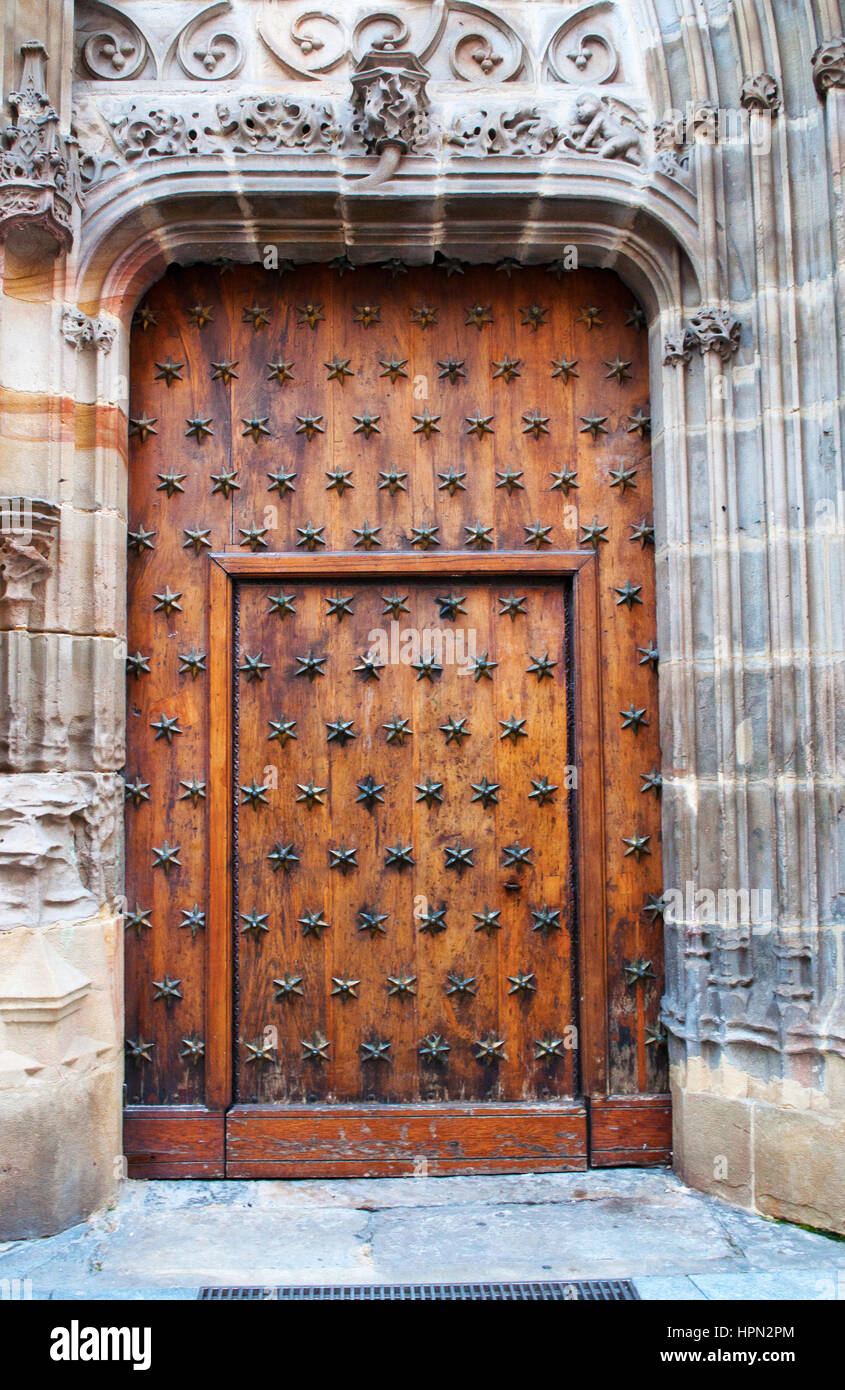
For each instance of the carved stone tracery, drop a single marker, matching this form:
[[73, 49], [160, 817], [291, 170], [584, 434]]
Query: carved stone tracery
[[39, 179]]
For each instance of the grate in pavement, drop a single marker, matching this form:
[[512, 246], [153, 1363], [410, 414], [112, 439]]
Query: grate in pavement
[[590, 1290]]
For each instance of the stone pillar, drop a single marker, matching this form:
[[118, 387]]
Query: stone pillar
[[61, 666]]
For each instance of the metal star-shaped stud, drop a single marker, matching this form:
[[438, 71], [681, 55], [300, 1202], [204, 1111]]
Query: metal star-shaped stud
[[313, 923], [256, 922], [142, 427], [371, 920], [426, 424], [637, 319], [288, 987], [394, 267], [283, 857], [593, 534], [282, 730], [460, 984], [451, 264], [138, 920], [194, 919], [564, 481], [394, 367], [655, 907], [488, 920], [197, 539], [140, 540], [524, 982], [537, 535], [401, 985], [649, 656], [534, 317], [478, 536], [516, 856], [507, 266], [260, 1053], [310, 794], [368, 667], [655, 1035], [427, 668], [367, 535], [225, 482], [433, 920], [192, 663], [144, 318], [201, 314], [434, 1050], [621, 370], [513, 728], [633, 719], [546, 919], [638, 970], [339, 480], [623, 478], [637, 846], [490, 1050], [507, 369], [253, 536], [393, 481], [370, 792], [340, 731], [452, 369], [342, 264], [424, 316], [199, 427], [376, 1050], [339, 369], [193, 1049], [340, 607], [544, 790], [643, 532], [137, 665], [596, 425], [166, 727], [316, 1049], [139, 1050], [255, 666], [483, 667], [194, 791], [548, 1048], [541, 666], [459, 857], [652, 781], [395, 604], [224, 371], [310, 314], [311, 665], [171, 482], [629, 594], [366, 424], [479, 424], [512, 606], [640, 424], [478, 315], [343, 858], [430, 792], [486, 792], [367, 314], [167, 989], [279, 372], [424, 535], [590, 316], [310, 425], [398, 730], [511, 479], [254, 794], [344, 988], [535, 423], [564, 370], [168, 602], [455, 730], [451, 605], [399, 857], [255, 426], [310, 536]]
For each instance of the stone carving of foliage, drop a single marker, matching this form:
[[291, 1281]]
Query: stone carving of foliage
[[118, 51], [520, 132], [83, 332], [582, 54], [761, 93], [140, 134], [829, 65], [260, 124], [207, 54], [714, 330]]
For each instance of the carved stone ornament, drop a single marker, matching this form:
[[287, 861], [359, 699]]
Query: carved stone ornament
[[829, 65], [83, 332], [39, 177], [672, 150], [761, 93], [714, 330], [675, 351], [390, 105], [27, 529]]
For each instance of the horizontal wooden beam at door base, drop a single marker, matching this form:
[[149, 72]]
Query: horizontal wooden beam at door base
[[630, 1131], [174, 1142]]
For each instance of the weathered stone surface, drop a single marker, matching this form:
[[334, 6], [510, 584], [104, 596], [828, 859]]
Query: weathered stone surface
[[61, 702]]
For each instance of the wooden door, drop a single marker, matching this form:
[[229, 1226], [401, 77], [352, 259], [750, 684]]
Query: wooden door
[[393, 853]]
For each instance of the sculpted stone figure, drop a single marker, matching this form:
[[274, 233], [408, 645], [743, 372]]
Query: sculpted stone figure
[[598, 126]]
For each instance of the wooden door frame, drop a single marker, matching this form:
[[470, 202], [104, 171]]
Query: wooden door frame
[[224, 570]]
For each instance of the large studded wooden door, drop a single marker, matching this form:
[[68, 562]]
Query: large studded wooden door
[[393, 861]]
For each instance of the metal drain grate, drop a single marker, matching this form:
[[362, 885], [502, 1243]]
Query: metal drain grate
[[570, 1290]]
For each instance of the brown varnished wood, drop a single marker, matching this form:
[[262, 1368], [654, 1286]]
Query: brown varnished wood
[[630, 1131], [173, 1142]]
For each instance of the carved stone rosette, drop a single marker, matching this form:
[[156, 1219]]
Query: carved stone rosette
[[27, 530], [39, 180], [829, 65]]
